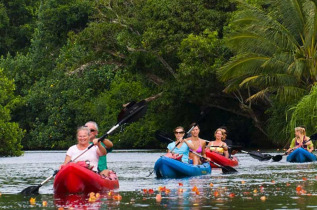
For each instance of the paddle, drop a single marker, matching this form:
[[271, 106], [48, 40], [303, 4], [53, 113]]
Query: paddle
[[161, 136], [188, 132], [233, 147], [275, 158], [127, 115], [202, 116], [258, 155]]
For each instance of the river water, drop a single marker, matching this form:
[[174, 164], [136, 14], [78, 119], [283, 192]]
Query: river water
[[261, 185]]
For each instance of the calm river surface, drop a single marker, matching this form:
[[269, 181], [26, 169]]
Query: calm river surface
[[258, 185]]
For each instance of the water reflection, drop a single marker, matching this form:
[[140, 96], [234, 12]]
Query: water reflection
[[83, 201]]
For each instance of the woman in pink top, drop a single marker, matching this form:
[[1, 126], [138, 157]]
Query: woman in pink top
[[199, 145], [92, 155]]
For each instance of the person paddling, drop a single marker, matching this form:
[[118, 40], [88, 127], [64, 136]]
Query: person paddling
[[184, 145], [224, 139], [300, 140], [228, 141], [91, 156], [102, 163], [199, 145], [218, 145]]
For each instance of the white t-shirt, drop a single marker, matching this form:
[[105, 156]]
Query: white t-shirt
[[92, 155]]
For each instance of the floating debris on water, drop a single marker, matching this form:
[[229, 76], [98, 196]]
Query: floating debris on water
[[32, 201]]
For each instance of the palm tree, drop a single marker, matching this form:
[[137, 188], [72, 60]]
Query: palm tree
[[275, 50], [275, 58]]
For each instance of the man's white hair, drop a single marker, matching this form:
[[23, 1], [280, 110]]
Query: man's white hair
[[92, 122]]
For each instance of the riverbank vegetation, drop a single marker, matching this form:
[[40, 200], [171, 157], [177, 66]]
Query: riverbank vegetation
[[252, 61]]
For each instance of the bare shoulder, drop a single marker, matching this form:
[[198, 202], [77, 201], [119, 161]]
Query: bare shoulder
[[203, 141]]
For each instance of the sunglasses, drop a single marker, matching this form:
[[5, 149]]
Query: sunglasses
[[179, 132], [92, 130]]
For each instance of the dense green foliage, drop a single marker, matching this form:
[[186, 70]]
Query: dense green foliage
[[10, 133], [79, 60]]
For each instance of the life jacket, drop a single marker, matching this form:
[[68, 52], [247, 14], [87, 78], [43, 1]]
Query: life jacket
[[303, 145], [217, 149]]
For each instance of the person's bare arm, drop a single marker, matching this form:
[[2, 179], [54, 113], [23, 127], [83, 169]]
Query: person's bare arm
[[101, 150], [189, 144], [108, 143], [204, 150], [226, 154], [67, 160], [203, 145]]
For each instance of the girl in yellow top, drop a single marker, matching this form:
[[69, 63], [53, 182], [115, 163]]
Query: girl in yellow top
[[218, 145], [301, 140]]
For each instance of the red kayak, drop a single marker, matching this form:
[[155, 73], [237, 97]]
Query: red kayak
[[74, 178], [221, 160]]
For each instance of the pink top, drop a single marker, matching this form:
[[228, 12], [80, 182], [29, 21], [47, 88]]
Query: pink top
[[200, 149]]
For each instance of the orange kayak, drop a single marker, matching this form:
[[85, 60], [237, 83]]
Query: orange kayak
[[221, 160], [74, 178]]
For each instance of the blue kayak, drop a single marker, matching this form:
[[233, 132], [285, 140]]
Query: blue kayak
[[301, 155], [169, 168]]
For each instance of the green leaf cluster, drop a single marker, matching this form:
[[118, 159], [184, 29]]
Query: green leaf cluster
[[10, 133]]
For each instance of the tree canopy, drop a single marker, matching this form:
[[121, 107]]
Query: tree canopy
[[251, 61]]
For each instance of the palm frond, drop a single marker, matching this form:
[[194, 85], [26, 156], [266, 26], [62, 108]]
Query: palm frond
[[266, 80], [252, 43], [259, 95], [290, 93], [242, 65], [289, 13], [310, 12], [247, 80]]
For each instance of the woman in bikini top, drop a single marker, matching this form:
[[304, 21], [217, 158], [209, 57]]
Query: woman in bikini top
[[300, 140], [198, 143], [218, 145], [200, 149]]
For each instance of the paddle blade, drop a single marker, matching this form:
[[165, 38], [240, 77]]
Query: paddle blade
[[32, 190], [277, 158], [228, 170], [236, 147], [259, 156], [132, 113], [123, 112]]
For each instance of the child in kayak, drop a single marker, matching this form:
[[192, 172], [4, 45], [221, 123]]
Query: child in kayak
[[92, 155], [300, 140], [218, 145], [184, 145]]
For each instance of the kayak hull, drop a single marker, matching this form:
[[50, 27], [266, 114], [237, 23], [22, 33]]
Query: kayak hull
[[74, 178], [221, 160], [301, 155], [169, 168]]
